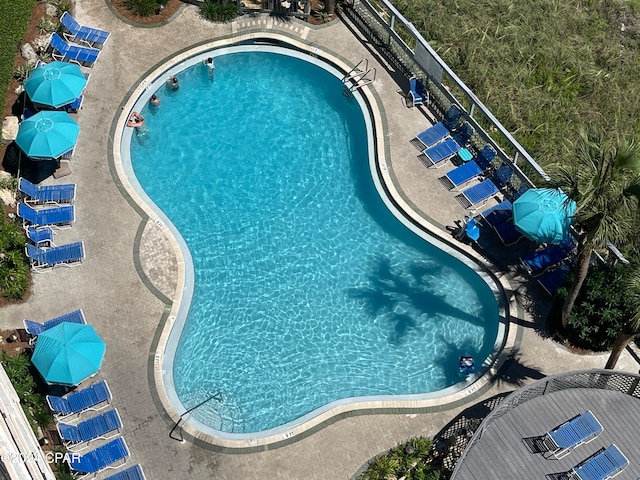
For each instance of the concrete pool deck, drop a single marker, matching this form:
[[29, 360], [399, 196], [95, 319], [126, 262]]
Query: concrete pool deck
[[127, 308]]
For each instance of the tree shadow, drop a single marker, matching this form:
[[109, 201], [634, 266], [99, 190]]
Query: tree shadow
[[390, 293], [515, 373]]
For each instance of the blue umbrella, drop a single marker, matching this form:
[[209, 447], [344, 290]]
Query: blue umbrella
[[68, 353], [544, 215], [55, 84], [47, 134]]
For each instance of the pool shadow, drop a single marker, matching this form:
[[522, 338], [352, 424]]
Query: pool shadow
[[390, 291]]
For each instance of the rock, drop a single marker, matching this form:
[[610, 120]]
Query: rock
[[41, 43], [19, 89], [9, 129], [8, 197], [52, 10], [4, 175], [28, 53]]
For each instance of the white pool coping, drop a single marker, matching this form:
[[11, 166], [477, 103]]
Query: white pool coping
[[169, 336]]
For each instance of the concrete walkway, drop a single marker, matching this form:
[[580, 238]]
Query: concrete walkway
[[126, 308]]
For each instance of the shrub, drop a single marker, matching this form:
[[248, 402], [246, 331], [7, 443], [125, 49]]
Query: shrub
[[409, 460], [33, 404], [46, 25], [601, 309], [62, 7], [217, 11], [14, 266], [23, 71], [14, 275], [143, 8]]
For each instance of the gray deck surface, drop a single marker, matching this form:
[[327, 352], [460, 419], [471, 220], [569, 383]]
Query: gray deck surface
[[128, 276], [501, 452]]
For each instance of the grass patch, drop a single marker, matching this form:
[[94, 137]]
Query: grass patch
[[13, 24], [543, 67]]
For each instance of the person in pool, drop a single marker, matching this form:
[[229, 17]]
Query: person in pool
[[172, 83], [154, 100], [208, 62], [135, 120]]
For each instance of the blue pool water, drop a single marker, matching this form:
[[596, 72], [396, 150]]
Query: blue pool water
[[307, 289]]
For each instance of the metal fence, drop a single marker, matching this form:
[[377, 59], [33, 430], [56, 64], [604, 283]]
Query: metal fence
[[410, 54]]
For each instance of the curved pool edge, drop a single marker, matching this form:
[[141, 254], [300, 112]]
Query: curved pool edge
[[391, 194]]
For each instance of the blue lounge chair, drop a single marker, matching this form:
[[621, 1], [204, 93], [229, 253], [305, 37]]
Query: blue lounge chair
[[497, 217], [47, 193], [439, 131], [520, 191], [463, 134], [68, 255], [75, 106], [508, 233], [552, 280], [452, 117], [577, 431], [604, 464], [36, 328], [439, 153], [417, 93], [502, 176], [477, 194], [132, 473], [94, 397], [431, 136], [79, 33], [62, 215], [40, 235], [537, 262], [72, 53], [485, 156], [100, 458], [442, 151], [503, 209], [461, 175], [103, 426]]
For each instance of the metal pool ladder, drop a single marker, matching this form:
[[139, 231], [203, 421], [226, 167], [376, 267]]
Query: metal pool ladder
[[359, 77]]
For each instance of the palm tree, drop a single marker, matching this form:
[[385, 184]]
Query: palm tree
[[631, 327], [604, 181]]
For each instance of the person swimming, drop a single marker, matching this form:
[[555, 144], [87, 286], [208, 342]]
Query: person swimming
[[135, 120], [208, 62], [172, 83], [154, 100]]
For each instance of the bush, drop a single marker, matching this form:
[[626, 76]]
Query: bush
[[601, 309], [33, 403], [14, 275], [62, 7], [23, 71], [46, 25], [217, 11], [409, 460], [143, 8], [14, 266]]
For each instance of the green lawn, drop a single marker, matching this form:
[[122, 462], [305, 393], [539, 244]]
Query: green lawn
[[543, 67], [14, 19]]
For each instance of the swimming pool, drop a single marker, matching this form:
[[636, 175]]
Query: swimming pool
[[307, 289]]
